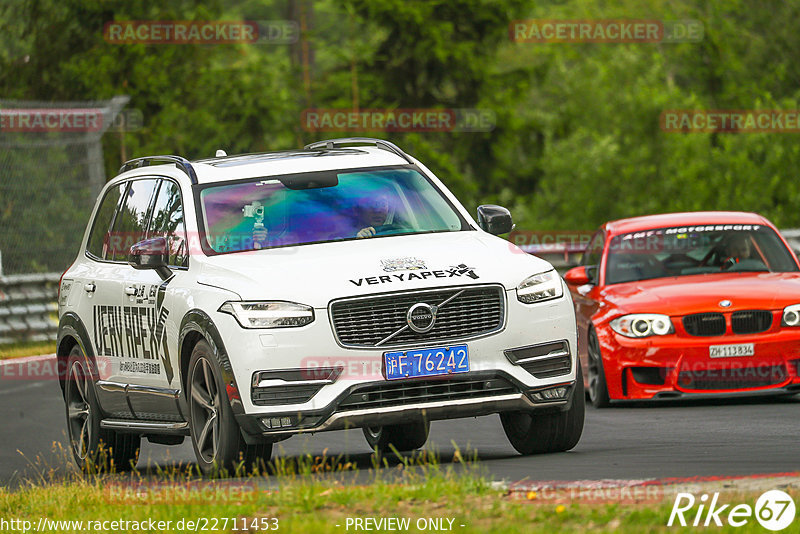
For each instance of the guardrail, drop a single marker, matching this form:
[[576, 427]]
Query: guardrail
[[28, 307], [28, 304]]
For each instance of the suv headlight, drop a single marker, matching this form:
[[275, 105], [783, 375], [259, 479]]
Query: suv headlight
[[540, 287], [269, 314], [642, 325], [791, 315]]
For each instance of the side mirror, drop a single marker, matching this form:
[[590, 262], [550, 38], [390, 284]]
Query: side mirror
[[494, 219], [577, 276], [151, 254]]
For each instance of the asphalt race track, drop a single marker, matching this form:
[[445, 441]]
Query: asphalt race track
[[679, 439]]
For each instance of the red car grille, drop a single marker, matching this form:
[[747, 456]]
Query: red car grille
[[751, 321], [704, 324], [742, 322]]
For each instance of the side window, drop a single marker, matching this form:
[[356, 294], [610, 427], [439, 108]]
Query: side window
[[167, 221], [98, 238], [593, 255], [130, 224]]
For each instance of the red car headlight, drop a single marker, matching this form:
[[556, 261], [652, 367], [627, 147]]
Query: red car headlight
[[642, 325], [791, 315]]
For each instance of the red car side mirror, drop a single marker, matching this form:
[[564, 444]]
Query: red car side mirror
[[577, 276]]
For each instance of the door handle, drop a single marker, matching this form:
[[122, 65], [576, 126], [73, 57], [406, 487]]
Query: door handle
[[130, 290], [90, 287]]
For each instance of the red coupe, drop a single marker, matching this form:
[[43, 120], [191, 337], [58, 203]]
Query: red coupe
[[687, 304]]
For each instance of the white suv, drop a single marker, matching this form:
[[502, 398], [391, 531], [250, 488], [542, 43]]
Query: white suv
[[241, 300]]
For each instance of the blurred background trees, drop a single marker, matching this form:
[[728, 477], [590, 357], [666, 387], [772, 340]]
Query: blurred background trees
[[577, 138]]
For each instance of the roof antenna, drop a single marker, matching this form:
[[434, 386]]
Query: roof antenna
[[220, 153]]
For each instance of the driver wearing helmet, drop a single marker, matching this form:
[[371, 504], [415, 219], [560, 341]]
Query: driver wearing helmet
[[737, 248]]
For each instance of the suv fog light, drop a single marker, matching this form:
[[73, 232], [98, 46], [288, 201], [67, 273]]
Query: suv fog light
[[550, 394], [277, 422]]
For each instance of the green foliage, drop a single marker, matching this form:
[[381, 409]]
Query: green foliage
[[577, 138]]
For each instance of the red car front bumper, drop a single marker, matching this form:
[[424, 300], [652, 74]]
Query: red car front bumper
[[662, 366]]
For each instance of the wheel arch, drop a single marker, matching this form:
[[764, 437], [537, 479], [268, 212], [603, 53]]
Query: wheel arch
[[196, 325], [614, 374], [72, 332]]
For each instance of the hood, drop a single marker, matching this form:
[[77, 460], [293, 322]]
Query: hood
[[703, 293], [316, 274]]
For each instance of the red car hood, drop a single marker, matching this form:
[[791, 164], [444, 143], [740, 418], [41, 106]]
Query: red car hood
[[701, 293]]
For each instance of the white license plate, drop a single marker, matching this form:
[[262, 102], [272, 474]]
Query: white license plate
[[731, 351]]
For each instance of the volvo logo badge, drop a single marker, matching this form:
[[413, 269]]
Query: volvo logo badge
[[421, 317], [725, 303]]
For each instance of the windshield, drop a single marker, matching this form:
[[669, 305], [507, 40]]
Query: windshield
[[321, 207], [688, 250]]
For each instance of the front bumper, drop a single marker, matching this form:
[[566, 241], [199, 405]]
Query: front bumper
[[380, 403], [674, 366], [254, 354]]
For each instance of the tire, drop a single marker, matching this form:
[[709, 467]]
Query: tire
[[95, 449], [404, 437], [531, 433], [598, 385], [216, 438]]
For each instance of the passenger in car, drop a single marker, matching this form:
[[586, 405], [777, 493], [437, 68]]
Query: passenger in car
[[369, 216]]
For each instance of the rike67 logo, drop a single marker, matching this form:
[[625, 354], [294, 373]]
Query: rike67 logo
[[774, 510]]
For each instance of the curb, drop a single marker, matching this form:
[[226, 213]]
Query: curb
[[608, 491]]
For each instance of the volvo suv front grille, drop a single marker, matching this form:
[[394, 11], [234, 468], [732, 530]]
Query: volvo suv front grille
[[382, 320]]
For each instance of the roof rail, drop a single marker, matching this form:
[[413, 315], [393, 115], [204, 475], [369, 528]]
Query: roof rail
[[380, 143], [182, 163]]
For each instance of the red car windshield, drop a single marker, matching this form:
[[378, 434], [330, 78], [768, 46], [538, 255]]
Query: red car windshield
[[688, 250]]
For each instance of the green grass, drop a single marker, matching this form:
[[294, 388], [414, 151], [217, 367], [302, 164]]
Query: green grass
[[309, 494], [319, 507], [31, 348]]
